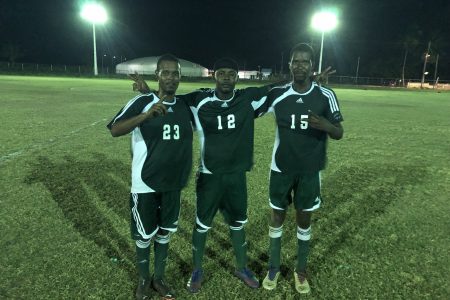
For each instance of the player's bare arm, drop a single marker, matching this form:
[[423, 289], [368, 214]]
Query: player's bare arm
[[126, 126], [335, 131]]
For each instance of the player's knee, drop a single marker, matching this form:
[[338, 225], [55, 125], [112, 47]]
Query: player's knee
[[275, 232], [277, 218], [163, 231], [304, 234], [143, 243], [162, 238]]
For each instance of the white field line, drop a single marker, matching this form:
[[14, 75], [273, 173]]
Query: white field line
[[39, 146]]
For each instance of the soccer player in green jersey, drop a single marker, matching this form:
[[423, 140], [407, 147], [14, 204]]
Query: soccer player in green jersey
[[224, 120], [306, 115], [161, 144]]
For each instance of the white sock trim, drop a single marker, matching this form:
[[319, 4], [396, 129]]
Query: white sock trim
[[304, 234], [275, 232]]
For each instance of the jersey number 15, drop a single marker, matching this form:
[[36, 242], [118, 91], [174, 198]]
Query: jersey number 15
[[303, 122]]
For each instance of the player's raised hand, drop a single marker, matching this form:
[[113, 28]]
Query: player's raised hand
[[158, 109], [322, 77], [139, 83]]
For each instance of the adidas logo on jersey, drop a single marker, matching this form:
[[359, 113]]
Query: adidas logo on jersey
[[224, 104], [170, 109], [299, 100]]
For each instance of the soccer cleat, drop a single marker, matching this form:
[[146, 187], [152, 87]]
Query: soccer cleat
[[143, 291], [247, 277], [163, 289], [301, 283], [195, 282], [271, 279]]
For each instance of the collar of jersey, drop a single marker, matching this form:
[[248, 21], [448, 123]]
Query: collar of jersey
[[301, 94], [167, 103], [215, 98]]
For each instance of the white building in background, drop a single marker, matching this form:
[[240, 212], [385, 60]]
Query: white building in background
[[248, 74], [147, 66]]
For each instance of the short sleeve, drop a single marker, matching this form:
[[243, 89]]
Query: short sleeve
[[133, 108], [333, 114]]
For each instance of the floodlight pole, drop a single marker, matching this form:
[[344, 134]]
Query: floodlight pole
[[425, 65], [95, 50], [321, 52]]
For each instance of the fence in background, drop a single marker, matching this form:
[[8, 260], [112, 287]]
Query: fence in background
[[107, 71]]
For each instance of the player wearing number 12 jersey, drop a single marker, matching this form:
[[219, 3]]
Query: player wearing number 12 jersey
[[224, 119], [161, 145]]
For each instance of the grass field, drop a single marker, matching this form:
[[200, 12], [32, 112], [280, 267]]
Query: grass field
[[382, 232]]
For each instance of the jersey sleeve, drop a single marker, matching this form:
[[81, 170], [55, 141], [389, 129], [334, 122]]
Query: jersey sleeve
[[264, 105], [257, 97], [133, 108], [333, 114], [191, 99]]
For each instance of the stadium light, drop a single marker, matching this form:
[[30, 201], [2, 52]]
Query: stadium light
[[323, 22], [95, 14]]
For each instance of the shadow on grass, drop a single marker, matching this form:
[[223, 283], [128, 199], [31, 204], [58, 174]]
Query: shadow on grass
[[72, 182], [367, 191]]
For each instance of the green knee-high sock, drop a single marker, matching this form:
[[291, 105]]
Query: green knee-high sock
[[275, 246], [303, 238], [240, 247], [142, 258], [161, 249], [198, 246]]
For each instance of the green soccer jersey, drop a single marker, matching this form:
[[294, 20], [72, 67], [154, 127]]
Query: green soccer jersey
[[161, 147], [299, 148], [225, 128]]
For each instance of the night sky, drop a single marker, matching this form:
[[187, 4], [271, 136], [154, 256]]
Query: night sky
[[255, 33]]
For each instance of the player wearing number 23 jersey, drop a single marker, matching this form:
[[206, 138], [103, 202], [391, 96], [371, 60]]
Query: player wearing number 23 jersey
[[161, 147]]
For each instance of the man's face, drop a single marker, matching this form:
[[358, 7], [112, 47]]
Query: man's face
[[168, 77], [300, 66], [226, 79]]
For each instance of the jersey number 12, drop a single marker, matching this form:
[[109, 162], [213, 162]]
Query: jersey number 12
[[230, 119]]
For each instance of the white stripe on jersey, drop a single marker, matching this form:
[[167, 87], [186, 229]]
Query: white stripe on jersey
[[331, 99], [128, 105], [291, 91], [139, 148], [201, 136], [257, 104], [275, 147]]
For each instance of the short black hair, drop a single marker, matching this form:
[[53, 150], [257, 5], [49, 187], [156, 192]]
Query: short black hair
[[226, 62], [166, 57], [303, 47]]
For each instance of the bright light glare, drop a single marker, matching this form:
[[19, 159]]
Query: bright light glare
[[324, 21], [94, 13]]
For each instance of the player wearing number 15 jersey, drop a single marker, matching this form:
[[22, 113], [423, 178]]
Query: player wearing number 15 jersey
[[161, 146], [306, 115]]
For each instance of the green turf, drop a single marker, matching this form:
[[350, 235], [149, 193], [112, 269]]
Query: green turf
[[382, 232]]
